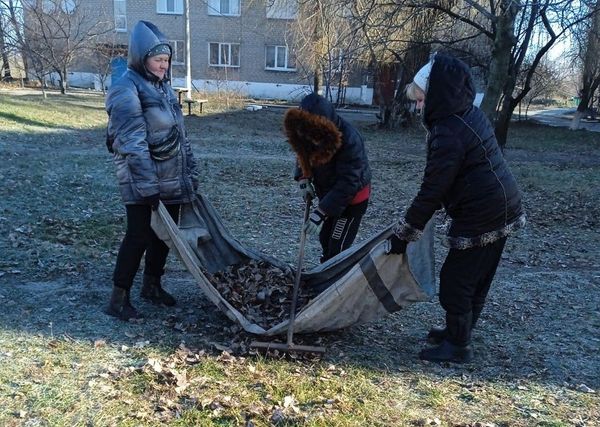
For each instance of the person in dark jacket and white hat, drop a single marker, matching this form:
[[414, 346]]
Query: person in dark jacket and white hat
[[154, 162], [332, 165], [465, 174]]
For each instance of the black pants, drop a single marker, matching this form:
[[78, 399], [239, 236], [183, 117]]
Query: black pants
[[466, 277], [338, 233], [140, 238]]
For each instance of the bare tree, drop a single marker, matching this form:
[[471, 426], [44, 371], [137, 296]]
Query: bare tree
[[56, 32], [547, 82], [12, 31], [326, 45], [394, 41], [381, 26], [102, 56], [588, 48], [511, 27]]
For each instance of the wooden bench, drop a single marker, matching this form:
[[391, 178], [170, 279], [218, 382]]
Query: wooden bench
[[191, 102], [180, 91]]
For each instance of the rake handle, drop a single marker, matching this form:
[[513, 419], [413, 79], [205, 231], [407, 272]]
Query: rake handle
[[290, 332]]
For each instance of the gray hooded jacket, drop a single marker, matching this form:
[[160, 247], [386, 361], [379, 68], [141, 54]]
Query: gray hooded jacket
[[144, 113]]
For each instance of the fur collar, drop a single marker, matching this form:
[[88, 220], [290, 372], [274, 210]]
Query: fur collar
[[314, 139]]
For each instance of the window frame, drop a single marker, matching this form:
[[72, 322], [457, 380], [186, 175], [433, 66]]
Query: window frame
[[174, 44], [124, 16], [287, 68], [176, 10], [220, 45], [214, 11]]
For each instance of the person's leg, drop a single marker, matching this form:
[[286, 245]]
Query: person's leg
[[324, 236], [456, 290], [490, 263], [465, 274], [342, 230], [489, 260], [135, 242], [156, 258]]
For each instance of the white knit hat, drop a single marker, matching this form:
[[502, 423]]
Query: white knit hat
[[421, 79]]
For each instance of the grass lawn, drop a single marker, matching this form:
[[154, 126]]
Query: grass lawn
[[64, 363]]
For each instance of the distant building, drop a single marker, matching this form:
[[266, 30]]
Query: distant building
[[242, 45]]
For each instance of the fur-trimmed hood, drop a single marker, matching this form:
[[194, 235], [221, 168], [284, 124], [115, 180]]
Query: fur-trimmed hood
[[314, 138]]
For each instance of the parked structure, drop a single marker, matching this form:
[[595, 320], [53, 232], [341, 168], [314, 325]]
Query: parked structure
[[240, 45]]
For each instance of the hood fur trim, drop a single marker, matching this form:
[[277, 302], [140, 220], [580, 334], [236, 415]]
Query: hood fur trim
[[314, 139]]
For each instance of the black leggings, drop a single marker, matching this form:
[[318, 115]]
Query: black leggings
[[140, 238], [338, 232], [466, 277]]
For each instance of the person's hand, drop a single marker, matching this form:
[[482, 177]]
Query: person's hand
[[152, 201], [395, 245], [315, 222], [307, 188]]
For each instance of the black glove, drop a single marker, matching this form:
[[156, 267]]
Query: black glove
[[307, 189], [315, 222], [152, 201], [395, 245]]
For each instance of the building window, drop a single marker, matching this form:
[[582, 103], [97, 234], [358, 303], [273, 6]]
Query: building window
[[279, 58], [224, 7], [169, 6], [282, 9], [178, 56], [224, 54], [120, 15]]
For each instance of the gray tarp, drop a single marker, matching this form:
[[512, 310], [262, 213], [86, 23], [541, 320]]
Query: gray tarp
[[358, 285]]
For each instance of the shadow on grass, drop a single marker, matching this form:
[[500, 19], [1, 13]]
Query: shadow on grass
[[24, 114], [24, 121]]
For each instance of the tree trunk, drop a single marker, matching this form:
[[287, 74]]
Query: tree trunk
[[591, 72], [43, 86], [384, 91], [576, 120], [6, 76], [501, 58], [16, 27], [503, 121], [63, 81]]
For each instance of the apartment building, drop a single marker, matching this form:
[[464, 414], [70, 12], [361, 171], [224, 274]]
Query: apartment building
[[242, 45]]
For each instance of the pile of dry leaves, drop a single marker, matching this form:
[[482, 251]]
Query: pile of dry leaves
[[260, 291]]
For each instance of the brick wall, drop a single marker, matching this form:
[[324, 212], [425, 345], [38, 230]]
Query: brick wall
[[252, 30]]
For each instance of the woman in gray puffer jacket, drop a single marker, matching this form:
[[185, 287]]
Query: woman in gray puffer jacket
[[154, 162]]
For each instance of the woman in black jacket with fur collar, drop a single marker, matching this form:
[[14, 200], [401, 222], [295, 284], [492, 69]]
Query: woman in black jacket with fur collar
[[333, 165], [465, 174]]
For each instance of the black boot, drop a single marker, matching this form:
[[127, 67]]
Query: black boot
[[456, 346], [437, 334], [153, 291], [119, 305]]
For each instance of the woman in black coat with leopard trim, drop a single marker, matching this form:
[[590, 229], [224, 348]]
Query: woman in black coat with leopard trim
[[465, 174], [332, 164]]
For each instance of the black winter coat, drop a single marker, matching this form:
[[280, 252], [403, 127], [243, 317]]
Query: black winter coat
[[465, 172], [338, 180]]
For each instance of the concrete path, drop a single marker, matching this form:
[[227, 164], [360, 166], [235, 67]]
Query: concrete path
[[562, 117]]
